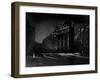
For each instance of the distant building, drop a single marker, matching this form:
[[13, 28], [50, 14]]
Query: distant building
[[62, 39]]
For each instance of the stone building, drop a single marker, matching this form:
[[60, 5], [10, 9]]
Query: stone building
[[61, 40]]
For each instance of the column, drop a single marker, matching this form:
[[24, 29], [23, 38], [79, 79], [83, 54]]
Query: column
[[65, 42], [61, 43], [57, 43]]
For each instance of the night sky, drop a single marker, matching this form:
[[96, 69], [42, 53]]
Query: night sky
[[43, 24]]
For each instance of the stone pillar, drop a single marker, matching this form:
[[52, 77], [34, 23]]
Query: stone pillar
[[61, 41], [68, 41], [57, 43], [65, 41]]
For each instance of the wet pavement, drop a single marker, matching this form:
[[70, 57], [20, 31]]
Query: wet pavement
[[55, 61]]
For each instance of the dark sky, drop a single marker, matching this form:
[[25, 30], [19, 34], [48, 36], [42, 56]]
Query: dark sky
[[44, 24]]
